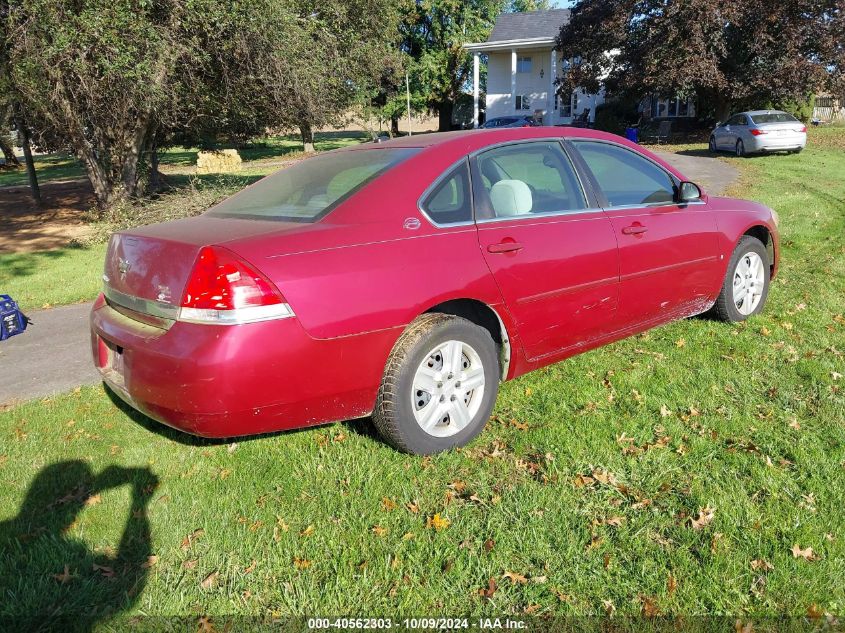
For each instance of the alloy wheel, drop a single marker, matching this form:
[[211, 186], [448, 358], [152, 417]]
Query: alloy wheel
[[740, 149], [447, 389], [748, 283]]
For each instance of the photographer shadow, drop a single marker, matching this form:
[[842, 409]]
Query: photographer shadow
[[50, 580]]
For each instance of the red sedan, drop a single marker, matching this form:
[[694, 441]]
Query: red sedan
[[405, 280]]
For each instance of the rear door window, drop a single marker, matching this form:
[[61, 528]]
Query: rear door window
[[527, 178]]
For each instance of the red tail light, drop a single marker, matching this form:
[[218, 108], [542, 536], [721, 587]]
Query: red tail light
[[757, 132], [803, 128], [223, 288]]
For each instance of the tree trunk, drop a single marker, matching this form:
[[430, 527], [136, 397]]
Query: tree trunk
[[155, 180], [445, 116], [34, 189], [307, 137], [8, 151], [394, 126]]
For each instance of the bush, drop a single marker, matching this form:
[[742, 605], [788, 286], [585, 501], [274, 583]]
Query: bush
[[616, 114], [801, 110], [182, 203]]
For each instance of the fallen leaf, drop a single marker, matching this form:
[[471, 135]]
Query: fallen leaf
[[680, 342], [671, 584], [609, 607], [190, 564], [107, 572], [650, 609], [301, 563], [379, 531], [758, 564], [814, 612], [251, 568], [705, 517], [563, 597], [835, 375], [437, 523], [307, 531], [807, 554], [413, 507], [539, 580], [388, 505], [193, 536], [93, 500], [489, 544], [490, 590], [64, 577], [150, 562], [210, 580], [615, 521], [408, 536], [665, 411], [515, 578], [532, 609]]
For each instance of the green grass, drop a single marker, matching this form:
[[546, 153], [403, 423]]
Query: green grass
[[746, 420], [54, 277], [61, 166]]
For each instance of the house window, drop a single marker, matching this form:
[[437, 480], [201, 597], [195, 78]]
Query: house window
[[523, 65], [523, 102]]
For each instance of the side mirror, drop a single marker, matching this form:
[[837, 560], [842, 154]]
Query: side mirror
[[689, 192]]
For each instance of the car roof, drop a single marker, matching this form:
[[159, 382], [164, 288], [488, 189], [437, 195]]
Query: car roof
[[753, 112], [482, 137]]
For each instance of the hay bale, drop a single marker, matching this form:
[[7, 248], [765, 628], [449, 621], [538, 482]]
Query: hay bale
[[219, 162]]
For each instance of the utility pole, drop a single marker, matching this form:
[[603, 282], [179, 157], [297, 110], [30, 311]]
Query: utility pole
[[408, 95]]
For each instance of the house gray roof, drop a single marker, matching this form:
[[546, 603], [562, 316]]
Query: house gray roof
[[528, 25]]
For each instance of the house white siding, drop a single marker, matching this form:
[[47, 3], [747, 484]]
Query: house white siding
[[535, 85]]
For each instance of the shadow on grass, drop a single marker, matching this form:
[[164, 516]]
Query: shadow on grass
[[26, 264], [360, 426], [701, 153], [51, 581]]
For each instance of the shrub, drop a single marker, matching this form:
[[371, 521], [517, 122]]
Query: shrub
[[616, 114]]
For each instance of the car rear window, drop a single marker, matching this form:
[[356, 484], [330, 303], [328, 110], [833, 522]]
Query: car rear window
[[308, 191], [774, 117]]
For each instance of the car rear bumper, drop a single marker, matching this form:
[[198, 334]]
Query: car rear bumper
[[767, 143], [227, 381]]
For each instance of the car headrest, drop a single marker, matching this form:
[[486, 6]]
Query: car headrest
[[511, 197]]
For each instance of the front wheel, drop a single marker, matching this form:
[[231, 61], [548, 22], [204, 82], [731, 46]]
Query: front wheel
[[439, 385], [746, 284]]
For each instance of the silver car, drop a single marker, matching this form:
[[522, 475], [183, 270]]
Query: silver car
[[759, 131]]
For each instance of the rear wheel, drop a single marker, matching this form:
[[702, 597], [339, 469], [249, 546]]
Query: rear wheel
[[439, 385], [746, 284], [740, 148], [712, 145]]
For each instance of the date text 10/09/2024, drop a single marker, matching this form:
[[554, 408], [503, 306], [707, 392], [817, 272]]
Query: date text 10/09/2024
[[417, 623]]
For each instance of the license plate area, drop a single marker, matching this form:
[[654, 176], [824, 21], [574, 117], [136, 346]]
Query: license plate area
[[113, 361]]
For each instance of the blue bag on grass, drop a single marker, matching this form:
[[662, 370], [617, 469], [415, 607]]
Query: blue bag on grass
[[12, 320]]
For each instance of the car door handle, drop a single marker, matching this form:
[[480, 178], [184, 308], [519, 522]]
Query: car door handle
[[504, 247], [635, 229]]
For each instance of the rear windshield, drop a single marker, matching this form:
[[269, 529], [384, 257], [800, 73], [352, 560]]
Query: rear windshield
[[774, 117], [309, 190]]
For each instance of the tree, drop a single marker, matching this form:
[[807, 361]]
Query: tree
[[517, 6], [730, 55]]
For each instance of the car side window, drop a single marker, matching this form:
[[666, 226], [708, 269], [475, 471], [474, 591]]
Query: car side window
[[451, 200], [526, 178], [625, 177]]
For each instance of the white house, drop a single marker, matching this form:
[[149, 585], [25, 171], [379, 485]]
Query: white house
[[522, 66]]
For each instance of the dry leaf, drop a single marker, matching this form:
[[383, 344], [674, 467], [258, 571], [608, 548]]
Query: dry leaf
[[532, 609], [193, 536], [307, 531], [413, 507], [705, 517], [807, 554], [489, 544], [93, 500], [388, 505], [437, 522], [379, 531], [301, 563], [251, 568], [759, 564], [515, 577], [665, 411], [190, 564], [151, 561], [671, 584], [210, 580], [64, 577], [490, 590], [650, 609], [814, 612], [609, 607], [680, 343], [615, 521], [107, 572]]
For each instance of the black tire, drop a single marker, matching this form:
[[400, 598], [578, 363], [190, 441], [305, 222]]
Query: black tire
[[740, 149], [712, 145], [393, 415], [725, 309]]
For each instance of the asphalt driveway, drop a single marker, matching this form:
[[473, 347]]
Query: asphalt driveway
[[54, 354]]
